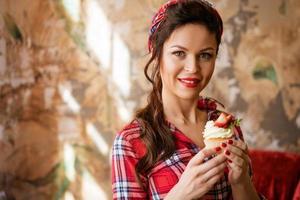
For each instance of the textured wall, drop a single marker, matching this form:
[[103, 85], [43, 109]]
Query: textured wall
[[71, 74]]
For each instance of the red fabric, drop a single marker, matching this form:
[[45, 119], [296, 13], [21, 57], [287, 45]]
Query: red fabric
[[276, 174], [160, 16], [128, 148]]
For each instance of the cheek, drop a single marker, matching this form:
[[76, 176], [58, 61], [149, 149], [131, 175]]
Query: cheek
[[168, 73], [170, 67], [208, 71]]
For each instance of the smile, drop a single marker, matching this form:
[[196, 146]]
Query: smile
[[189, 82]]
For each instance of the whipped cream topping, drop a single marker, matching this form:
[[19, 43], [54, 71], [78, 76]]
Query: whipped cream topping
[[212, 131]]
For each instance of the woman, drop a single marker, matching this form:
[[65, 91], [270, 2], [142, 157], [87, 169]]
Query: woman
[[160, 154]]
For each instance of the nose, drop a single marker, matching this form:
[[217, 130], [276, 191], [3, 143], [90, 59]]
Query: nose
[[191, 65]]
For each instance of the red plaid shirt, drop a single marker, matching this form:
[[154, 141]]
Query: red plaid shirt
[[128, 148]]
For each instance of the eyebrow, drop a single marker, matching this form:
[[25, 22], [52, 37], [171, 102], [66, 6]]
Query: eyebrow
[[181, 47]]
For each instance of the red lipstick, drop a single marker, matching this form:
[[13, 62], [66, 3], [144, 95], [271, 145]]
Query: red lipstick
[[189, 82]]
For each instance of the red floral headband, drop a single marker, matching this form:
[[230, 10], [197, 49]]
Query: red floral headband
[[161, 14]]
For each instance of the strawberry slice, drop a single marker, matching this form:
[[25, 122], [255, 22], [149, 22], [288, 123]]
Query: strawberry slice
[[229, 118], [223, 120]]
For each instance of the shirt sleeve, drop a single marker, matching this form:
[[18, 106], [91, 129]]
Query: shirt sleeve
[[124, 183]]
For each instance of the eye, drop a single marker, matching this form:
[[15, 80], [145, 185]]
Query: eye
[[180, 54], [205, 56]]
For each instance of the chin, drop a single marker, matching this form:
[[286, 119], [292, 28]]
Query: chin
[[188, 95]]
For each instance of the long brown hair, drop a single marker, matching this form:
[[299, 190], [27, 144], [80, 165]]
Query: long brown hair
[[155, 132]]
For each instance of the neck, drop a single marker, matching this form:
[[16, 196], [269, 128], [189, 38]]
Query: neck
[[182, 111]]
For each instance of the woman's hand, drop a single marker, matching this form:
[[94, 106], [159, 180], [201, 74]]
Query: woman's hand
[[236, 152], [199, 176], [242, 187]]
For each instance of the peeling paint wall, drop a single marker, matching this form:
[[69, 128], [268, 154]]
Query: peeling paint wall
[[71, 75]]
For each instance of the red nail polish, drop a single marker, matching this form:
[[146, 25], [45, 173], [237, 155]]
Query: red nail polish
[[224, 145], [230, 141], [229, 161], [227, 152], [218, 149]]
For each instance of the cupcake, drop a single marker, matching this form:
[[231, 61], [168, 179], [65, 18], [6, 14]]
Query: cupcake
[[221, 130]]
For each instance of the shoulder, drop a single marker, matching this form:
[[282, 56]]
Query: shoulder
[[128, 138], [130, 131], [211, 105]]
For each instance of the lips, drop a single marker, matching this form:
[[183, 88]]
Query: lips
[[189, 82]]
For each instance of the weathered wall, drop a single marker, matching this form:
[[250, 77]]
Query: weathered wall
[[71, 74]]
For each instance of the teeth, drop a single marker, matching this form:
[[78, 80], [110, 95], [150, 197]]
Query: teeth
[[189, 82]]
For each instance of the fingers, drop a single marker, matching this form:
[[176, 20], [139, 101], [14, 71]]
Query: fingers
[[202, 184], [209, 183], [235, 151], [233, 166], [232, 157], [239, 144], [212, 181], [199, 157], [211, 173], [212, 163], [238, 147], [206, 170]]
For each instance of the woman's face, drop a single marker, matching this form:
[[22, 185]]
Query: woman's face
[[187, 61]]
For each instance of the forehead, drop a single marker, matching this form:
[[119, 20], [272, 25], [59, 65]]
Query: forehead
[[192, 36]]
